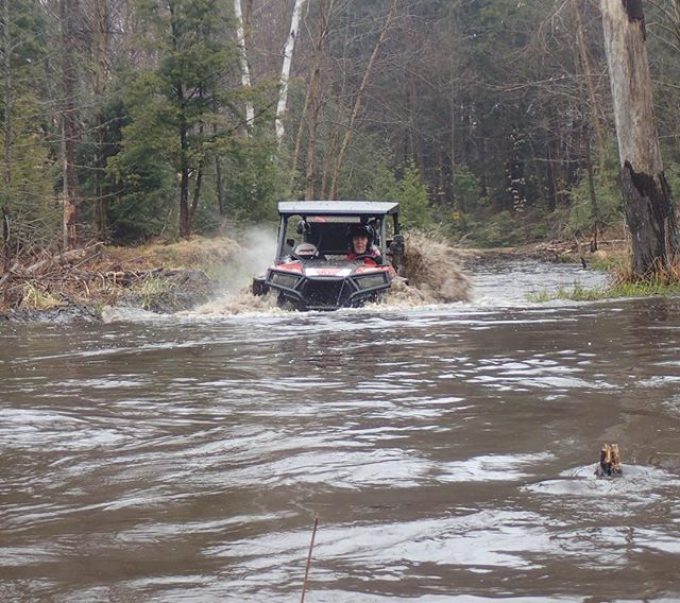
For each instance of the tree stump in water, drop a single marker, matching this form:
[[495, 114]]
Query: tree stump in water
[[610, 461]]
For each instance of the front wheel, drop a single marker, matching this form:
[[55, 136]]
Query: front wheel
[[259, 286], [285, 304]]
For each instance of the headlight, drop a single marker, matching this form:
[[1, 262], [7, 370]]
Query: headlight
[[370, 281], [284, 280]]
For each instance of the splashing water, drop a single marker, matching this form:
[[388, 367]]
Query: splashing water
[[243, 302], [433, 271], [257, 246], [433, 275]]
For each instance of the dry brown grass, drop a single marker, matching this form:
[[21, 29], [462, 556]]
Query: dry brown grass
[[199, 252], [432, 266], [668, 275], [103, 275]]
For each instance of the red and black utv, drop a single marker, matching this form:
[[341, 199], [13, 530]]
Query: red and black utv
[[316, 266]]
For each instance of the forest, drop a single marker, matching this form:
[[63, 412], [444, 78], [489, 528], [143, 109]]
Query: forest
[[489, 120]]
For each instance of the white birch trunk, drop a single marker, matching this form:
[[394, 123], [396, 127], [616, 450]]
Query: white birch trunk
[[243, 60], [285, 69]]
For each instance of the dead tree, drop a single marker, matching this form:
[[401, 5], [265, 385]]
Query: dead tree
[[647, 197]]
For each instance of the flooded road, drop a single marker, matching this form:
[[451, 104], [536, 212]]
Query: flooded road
[[448, 452]]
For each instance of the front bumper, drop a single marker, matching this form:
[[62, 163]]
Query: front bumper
[[328, 293]]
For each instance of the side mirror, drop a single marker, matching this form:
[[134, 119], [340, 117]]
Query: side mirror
[[397, 249], [290, 243]]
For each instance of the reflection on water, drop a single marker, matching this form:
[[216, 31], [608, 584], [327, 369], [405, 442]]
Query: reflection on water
[[448, 451]]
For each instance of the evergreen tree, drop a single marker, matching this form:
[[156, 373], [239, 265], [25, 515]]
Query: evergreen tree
[[177, 105], [28, 161]]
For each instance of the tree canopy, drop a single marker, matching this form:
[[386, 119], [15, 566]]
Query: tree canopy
[[473, 113]]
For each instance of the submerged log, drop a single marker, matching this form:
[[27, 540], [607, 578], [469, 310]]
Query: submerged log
[[610, 461]]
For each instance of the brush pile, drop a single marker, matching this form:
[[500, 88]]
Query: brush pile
[[95, 276]]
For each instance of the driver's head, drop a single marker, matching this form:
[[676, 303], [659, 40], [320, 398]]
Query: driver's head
[[361, 236], [360, 243]]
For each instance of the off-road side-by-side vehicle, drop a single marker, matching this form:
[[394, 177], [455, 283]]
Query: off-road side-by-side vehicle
[[314, 268]]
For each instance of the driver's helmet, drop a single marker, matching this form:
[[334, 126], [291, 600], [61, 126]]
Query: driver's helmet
[[306, 251], [357, 230]]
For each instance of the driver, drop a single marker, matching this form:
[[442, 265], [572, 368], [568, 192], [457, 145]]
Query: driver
[[361, 245]]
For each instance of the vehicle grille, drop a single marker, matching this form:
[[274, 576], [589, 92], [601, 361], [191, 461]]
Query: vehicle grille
[[332, 293]]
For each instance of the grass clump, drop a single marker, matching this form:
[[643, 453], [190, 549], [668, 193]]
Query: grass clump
[[644, 288], [150, 289], [34, 298], [664, 282], [577, 293]]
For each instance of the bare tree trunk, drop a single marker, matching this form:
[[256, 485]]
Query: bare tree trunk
[[315, 102], [183, 131], [333, 136], [218, 185], [550, 175], [7, 50], [587, 154], [594, 209], [357, 101], [584, 57], [646, 194], [282, 103], [184, 213], [197, 193], [101, 68], [453, 165], [298, 140], [67, 9], [332, 145], [7, 68], [243, 60], [218, 178]]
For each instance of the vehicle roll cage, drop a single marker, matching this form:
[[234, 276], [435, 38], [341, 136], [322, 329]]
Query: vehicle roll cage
[[324, 223]]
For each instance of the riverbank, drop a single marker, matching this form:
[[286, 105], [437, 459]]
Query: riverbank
[[170, 277], [159, 277]]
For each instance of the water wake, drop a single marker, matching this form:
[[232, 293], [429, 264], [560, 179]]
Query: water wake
[[432, 275], [433, 272]]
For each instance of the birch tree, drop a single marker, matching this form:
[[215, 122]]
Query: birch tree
[[647, 197], [243, 62], [282, 103]]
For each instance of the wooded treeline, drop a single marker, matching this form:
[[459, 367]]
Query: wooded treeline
[[126, 119]]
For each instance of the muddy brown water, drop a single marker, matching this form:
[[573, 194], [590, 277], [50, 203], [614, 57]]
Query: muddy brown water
[[447, 450]]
